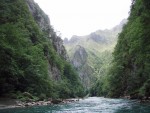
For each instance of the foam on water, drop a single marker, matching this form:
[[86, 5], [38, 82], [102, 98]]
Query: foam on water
[[89, 105]]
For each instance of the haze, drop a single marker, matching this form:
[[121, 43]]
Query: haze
[[81, 17]]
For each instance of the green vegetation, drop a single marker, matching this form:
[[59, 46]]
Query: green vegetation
[[99, 88], [91, 54], [25, 54], [129, 70], [32, 68]]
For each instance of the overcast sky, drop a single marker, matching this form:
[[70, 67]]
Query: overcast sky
[[81, 17]]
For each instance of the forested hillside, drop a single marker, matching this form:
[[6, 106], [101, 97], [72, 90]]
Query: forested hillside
[[92, 54], [33, 59], [129, 72]]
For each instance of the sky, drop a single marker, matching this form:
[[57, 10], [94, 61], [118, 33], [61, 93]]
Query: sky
[[81, 17]]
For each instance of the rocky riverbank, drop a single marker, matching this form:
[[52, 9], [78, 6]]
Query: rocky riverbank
[[141, 99], [13, 103]]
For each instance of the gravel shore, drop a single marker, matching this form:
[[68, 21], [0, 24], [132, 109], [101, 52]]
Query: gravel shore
[[6, 103]]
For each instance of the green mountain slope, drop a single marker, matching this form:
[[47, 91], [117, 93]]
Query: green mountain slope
[[32, 57], [129, 71], [98, 47]]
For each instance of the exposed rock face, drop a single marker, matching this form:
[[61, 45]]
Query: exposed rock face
[[87, 52], [74, 39], [97, 38], [80, 57], [59, 47], [79, 61], [40, 17], [43, 21], [54, 72], [66, 40]]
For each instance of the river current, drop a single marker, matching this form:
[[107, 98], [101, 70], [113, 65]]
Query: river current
[[89, 105]]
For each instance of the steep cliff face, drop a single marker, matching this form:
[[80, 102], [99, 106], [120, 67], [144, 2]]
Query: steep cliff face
[[33, 58], [79, 60], [131, 64], [80, 57], [91, 54], [40, 17], [44, 23]]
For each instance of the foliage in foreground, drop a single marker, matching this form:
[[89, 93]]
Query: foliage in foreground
[[24, 55], [129, 70]]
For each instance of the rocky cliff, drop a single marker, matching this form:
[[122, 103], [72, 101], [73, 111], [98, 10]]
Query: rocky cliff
[[80, 56], [79, 60], [33, 59], [44, 23], [90, 54]]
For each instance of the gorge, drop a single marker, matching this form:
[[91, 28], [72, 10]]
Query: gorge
[[37, 65]]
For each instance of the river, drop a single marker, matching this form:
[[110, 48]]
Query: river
[[89, 105]]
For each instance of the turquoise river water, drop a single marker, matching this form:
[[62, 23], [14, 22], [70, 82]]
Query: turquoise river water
[[89, 105]]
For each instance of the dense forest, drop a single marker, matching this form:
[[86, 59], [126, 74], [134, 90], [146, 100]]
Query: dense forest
[[29, 56], [34, 63], [128, 73]]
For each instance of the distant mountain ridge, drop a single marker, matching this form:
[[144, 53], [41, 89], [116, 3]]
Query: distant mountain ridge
[[86, 52]]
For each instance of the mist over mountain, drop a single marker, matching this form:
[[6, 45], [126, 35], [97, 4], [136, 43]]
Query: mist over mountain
[[91, 53]]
